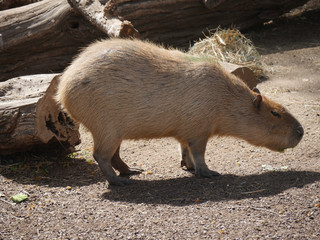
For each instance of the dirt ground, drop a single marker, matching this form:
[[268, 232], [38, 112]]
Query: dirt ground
[[69, 199]]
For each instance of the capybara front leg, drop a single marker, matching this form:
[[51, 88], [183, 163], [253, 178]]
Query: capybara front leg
[[121, 166], [103, 157], [186, 161], [197, 148]]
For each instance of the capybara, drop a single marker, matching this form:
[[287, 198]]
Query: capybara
[[131, 89]]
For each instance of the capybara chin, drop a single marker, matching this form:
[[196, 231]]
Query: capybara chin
[[130, 89]]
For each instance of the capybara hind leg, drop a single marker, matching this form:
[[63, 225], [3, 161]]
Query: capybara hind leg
[[186, 161], [103, 157], [197, 148], [121, 166]]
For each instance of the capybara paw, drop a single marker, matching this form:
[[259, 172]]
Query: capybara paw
[[119, 181], [206, 173], [132, 171], [185, 166], [189, 169]]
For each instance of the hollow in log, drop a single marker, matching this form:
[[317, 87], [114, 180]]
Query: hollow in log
[[30, 118]]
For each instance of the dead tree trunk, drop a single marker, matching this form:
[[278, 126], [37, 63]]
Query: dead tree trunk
[[113, 26], [30, 118], [177, 22], [41, 38], [6, 4]]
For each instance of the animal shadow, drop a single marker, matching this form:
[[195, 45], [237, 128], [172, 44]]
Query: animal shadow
[[191, 190]]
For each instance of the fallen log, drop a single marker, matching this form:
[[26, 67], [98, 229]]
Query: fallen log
[[42, 37], [30, 118], [113, 26], [6, 4], [178, 22]]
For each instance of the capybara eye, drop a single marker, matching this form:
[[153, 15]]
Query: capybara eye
[[276, 114]]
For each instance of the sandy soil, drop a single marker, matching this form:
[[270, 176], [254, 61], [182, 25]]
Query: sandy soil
[[69, 199]]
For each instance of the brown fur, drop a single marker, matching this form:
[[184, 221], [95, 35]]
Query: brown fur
[[129, 89]]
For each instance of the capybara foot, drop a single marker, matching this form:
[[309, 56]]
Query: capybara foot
[[119, 181], [186, 167], [131, 171], [206, 173]]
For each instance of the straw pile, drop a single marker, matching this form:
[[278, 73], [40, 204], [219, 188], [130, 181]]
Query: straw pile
[[229, 45]]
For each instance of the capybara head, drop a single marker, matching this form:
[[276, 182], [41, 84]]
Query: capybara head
[[272, 125]]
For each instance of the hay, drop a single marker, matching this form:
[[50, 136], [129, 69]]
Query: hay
[[229, 45]]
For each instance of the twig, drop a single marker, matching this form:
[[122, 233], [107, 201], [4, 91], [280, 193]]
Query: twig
[[12, 204]]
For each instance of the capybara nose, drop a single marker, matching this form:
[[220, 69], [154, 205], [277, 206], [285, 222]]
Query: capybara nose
[[300, 131]]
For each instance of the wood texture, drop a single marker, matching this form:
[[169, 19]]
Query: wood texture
[[6, 4], [179, 22], [113, 26], [30, 118], [42, 38]]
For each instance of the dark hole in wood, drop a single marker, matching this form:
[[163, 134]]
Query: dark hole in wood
[[50, 125], [74, 25]]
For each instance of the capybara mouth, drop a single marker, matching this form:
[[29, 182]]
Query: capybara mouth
[[295, 138], [283, 148]]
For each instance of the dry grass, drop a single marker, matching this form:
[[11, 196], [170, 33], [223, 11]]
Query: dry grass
[[230, 45]]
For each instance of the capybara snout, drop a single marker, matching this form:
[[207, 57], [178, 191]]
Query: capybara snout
[[299, 132], [130, 89], [297, 135]]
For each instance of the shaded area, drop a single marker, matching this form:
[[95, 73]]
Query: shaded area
[[50, 170], [77, 172], [288, 33], [185, 191]]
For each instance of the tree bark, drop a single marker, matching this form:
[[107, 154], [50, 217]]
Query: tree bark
[[30, 118], [41, 38], [177, 22], [6, 4], [113, 26]]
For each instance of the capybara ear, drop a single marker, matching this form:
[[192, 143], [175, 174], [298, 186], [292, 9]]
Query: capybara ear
[[256, 90], [257, 101]]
